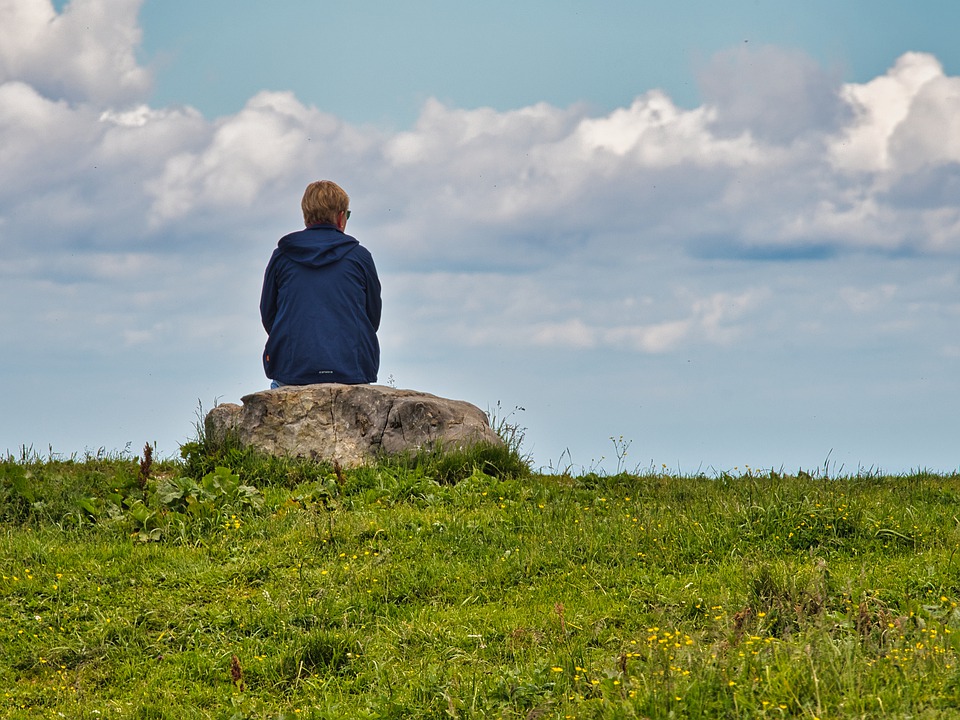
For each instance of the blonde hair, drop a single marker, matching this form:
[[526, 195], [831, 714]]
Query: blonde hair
[[323, 201]]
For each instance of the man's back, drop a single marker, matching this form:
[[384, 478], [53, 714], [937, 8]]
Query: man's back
[[320, 306]]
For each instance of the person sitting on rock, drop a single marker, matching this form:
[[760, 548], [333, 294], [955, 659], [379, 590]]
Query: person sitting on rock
[[320, 302]]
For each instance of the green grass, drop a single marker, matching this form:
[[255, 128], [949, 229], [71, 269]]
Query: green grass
[[470, 587]]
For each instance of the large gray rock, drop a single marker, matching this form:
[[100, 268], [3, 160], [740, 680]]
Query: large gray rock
[[348, 424]]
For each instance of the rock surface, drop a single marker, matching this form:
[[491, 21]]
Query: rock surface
[[348, 424]]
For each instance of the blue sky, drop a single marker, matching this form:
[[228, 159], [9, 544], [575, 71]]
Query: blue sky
[[385, 58], [726, 232]]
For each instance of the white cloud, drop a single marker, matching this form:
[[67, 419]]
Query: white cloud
[[880, 106], [863, 301], [657, 338], [483, 189], [245, 164], [570, 333], [476, 191], [84, 54], [41, 138], [930, 132], [653, 132], [777, 96], [440, 128], [710, 320]]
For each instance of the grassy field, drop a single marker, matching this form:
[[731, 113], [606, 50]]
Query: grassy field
[[232, 586]]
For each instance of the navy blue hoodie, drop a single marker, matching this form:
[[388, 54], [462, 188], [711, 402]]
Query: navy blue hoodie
[[320, 306]]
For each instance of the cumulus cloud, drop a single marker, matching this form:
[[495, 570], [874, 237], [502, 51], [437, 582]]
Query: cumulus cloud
[[781, 162], [715, 320], [773, 94], [880, 106], [87, 53], [929, 135]]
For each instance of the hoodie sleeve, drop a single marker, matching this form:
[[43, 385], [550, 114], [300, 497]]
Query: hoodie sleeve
[[374, 303], [268, 295]]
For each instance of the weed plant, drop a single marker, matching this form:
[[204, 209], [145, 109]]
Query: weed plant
[[231, 585]]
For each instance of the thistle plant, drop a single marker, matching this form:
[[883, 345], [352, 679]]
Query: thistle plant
[[146, 465]]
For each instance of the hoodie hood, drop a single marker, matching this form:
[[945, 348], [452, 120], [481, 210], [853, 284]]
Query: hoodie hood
[[317, 245]]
